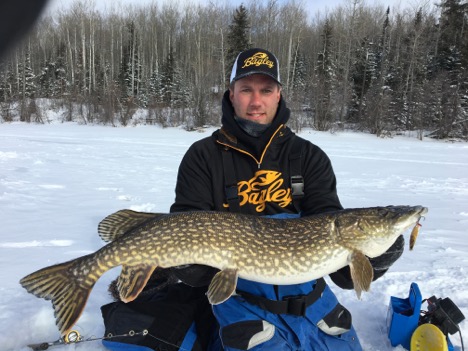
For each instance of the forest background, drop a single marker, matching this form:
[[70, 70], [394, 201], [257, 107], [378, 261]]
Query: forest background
[[358, 66]]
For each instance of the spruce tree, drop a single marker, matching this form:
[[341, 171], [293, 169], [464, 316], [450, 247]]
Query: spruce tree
[[298, 76], [453, 42], [27, 77], [61, 83], [167, 87], [375, 113], [238, 35], [452, 65], [364, 72], [131, 66], [325, 75]]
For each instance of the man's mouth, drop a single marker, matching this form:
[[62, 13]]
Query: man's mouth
[[255, 115]]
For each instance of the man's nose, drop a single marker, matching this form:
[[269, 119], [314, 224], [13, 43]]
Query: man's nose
[[255, 99]]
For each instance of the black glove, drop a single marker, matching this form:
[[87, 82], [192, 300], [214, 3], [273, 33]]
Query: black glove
[[195, 275], [381, 264]]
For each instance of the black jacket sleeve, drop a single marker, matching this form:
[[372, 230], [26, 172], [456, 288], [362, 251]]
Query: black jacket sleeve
[[194, 187], [194, 192]]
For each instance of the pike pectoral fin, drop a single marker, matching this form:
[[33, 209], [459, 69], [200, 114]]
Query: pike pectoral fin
[[362, 272], [132, 280], [222, 286]]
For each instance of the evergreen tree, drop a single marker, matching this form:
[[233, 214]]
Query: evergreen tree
[[155, 93], [376, 116], [452, 65], [364, 73], [452, 49], [238, 35], [413, 90], [174, 90], [131, 66], [298, 75], [6, 82], [61, 83], [168, 85], [46, 78], [27, 77], [325, 75], [53, 78]]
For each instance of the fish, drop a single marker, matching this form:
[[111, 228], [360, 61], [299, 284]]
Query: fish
[[260, 249]]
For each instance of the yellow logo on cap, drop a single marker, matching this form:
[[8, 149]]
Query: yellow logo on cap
[[258, 59]]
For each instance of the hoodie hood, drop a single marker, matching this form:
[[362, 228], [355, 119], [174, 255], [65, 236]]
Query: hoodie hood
[[255, 145]]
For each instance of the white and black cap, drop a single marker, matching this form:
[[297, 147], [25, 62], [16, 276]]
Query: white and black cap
[[255, 61]]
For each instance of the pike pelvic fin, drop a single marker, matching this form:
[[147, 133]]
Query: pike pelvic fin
[[66, 286], [121, 222], [222, 286], [362, 272], [132, 280]]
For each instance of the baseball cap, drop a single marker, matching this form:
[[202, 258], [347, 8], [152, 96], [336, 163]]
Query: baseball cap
[[255, 61]]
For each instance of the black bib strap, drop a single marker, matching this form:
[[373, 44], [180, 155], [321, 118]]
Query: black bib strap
[[294, 305], [295, 171], [230, 181]]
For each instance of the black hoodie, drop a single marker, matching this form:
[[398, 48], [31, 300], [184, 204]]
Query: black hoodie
[[262, 170]]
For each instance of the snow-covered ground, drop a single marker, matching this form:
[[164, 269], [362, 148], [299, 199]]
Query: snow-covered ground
[[58, 181]]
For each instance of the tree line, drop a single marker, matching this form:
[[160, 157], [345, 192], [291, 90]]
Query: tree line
[[358, 66]]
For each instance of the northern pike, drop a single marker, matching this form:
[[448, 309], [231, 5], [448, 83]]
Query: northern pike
[[265, 250]]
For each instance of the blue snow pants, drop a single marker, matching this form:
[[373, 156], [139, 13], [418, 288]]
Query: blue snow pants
[[325, 325]]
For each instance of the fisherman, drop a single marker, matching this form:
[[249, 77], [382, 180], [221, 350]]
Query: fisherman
[[254, 164]]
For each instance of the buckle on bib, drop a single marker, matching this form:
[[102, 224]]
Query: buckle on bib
[[297, 305], [297, 186]]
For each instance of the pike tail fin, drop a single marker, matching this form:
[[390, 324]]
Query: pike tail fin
[[67, 285]]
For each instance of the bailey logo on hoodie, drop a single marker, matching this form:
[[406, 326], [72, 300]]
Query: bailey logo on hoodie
[[265, 186]]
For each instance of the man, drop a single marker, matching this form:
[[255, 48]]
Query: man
[[255, 164]]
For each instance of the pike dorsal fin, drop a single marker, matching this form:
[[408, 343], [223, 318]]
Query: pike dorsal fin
[[222, 286], [132, 280], [121, 222], [362, 272]]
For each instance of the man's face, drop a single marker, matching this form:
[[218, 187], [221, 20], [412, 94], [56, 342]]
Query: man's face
[[255, 98]]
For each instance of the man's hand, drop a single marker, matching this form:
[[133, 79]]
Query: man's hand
[[195, 275]]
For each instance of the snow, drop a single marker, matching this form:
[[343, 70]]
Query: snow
[[58, 181]]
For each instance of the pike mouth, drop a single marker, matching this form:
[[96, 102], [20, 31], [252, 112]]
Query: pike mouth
[[422, 211], [413, 218]]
